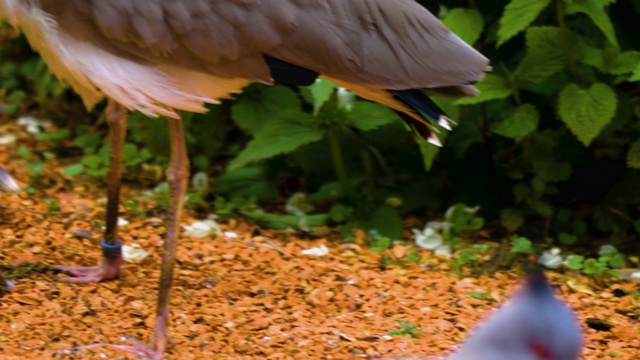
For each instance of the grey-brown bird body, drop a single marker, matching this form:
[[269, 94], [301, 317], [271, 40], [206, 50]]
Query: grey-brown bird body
[[199, 51]]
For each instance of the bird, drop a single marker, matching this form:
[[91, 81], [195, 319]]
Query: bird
[[535, 325], [160, 57]]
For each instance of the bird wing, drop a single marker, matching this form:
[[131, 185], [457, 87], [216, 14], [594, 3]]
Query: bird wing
[[379, 43]]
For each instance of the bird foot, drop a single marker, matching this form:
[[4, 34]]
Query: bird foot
[[154, 350], [109, 269]]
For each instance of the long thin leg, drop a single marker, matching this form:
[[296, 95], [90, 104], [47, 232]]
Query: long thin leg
[[177, 177], [111, 246]]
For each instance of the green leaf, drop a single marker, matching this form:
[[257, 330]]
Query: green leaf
[[256, 108], [518, 14], [587, 112], [275, 221], [544, 56], [73, 170], [383, 222], [321, 91], [92, 161], [567, 239], [492, 87], [633, 156], [511, 219], [595, 10], [619, 63], [520, 123], [367, 115], [466, 23], [636, 74], [574, 262], [279, 136], [247, 182], [521, 245], [429, 152]]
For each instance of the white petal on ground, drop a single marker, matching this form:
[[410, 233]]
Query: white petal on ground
[[133, 253], [298, 204], [428, 239], [203, 228], [551, 259], [8, 139], [200, 181], [606, 249], [316, 251], [443, 251], [122, 222]]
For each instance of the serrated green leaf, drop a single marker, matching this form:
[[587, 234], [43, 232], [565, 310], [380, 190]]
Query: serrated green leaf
[[587, 112], [544, 56], [320, 92], [256, 108], [367, 115], [595, 10], [466, 23], [518, 14], [520, 123], [492, 87], [633, 156], [281, 135], [619, 63]]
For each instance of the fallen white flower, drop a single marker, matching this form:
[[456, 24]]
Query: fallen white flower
[[8, 139], [428, 238], [551, 259], [316, 251], [443, 251], [133, 253], [203, 228], [606, 249], [32, 124]]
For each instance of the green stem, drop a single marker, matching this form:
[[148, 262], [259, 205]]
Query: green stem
[[513, 82], [564, 37], [338, 162]]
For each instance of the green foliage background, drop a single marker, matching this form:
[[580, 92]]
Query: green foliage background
[[552, 136]]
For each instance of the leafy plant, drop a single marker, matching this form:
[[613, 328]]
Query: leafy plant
[[407, 329], [604, 265]]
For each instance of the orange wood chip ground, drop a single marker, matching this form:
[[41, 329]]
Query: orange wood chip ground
[[252, 296]]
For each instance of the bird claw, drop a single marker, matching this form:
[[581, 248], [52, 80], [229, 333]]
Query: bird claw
[[154, 351], [136, 348], [110, 269]]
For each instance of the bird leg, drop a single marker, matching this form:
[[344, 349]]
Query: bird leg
[[111, 246], [177, 177]]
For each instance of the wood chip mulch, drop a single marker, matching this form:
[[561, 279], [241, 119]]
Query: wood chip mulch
[[252, 294]]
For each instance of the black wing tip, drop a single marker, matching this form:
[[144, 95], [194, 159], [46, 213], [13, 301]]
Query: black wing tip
[[285, 73]]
